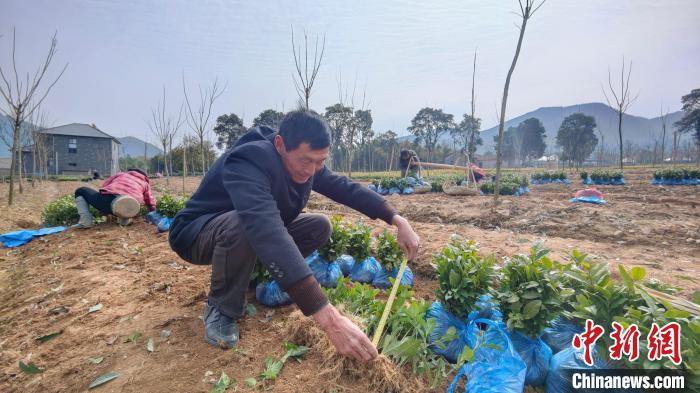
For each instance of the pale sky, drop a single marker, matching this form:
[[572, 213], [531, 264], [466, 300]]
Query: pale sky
[[408, 54]]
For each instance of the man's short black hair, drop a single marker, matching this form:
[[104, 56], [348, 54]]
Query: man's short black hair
[[304, 126], [137, 170]]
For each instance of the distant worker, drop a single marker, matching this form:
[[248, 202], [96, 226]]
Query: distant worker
[[121, 195], [478, 172], [408, 163]]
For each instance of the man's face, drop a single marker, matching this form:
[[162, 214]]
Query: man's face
[[302, 162]]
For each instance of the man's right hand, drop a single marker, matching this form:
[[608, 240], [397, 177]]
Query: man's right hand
[[347, 338]]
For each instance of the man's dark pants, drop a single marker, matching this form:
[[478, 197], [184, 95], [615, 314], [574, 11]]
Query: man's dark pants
[[223, 244], [101, 202]]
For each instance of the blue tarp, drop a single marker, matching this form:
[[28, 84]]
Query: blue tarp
[[589, 199], [620, 182], [20, 238], [549, 181], [676, 182]]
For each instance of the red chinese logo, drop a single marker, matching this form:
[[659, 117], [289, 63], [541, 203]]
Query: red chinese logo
[[665, 342], [587, 339], [626, 342]]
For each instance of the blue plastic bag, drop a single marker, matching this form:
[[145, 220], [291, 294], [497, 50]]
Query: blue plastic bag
[[326, 273], [271, 295], [443, 321], [381, 280], [365, 271], [164, 224], [496, 366], [558, 380], [486, 308], [536, 355], [346, 263], [20, 238], [153, 217], [372, 187], [394, 190], [560, 334], [407, 190]]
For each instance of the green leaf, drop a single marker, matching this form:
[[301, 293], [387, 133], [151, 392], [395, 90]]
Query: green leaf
[[529, 295], [625, 276], [96, 359], [134, 337], [531, 309], [48, 337], [272, 368], [30, 368], [250, 310], [696, 297], [222, 384], [466, 356], [102, 379], [251, 382], [638, 273], [150, 345], [294, 350], [95, 308], [455, 279], [673, 313]]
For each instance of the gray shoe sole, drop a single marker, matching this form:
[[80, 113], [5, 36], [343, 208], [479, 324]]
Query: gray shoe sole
[[125, 206]]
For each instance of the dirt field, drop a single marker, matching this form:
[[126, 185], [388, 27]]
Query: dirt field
[[48, 285]]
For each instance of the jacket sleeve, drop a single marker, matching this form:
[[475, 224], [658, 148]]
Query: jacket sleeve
[[148, 198], [352, 194], [110, 180], [248, 186]]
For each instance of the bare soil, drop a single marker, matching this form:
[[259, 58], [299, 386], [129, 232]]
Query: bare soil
[[48, 285]]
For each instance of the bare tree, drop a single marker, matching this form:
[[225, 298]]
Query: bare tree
[[37, 138], [351, 136], [664, 124], [622, 100], [21, 99], [165, 127], [473, 130], [305, 78], [527, 10], [198, 119]]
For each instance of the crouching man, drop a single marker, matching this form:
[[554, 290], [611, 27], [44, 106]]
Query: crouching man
[[250, 205], [121, 194]]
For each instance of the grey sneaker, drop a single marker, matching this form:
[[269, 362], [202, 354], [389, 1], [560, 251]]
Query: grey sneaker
[[219, 330]]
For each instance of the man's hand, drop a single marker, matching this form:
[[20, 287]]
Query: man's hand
[[347, 338], [406, 237]]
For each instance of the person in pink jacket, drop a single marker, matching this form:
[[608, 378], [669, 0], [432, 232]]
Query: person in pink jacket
[[121, 194]]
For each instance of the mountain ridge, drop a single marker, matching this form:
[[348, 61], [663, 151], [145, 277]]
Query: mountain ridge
[[636, 129]]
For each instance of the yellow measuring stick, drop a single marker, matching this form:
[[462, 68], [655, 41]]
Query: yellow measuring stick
[[389, 303]]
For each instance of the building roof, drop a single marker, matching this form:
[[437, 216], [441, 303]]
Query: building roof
[[79, 129]]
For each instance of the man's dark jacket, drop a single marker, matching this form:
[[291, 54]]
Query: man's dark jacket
[[251, 179]]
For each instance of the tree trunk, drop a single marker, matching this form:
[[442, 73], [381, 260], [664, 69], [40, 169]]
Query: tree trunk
[[201, 153], [20, 166], [501, 124], [184, 165], [619, 132]]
